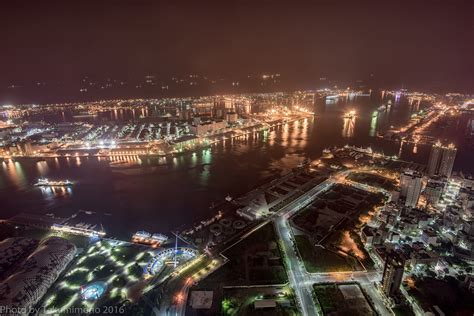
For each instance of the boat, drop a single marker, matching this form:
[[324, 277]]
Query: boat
[[43, 182], [228, 198]]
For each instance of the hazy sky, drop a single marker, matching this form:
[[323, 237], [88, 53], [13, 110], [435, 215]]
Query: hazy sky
[[427, 42]]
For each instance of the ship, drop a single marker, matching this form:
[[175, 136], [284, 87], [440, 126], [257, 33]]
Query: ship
[[143, 237], [43, 182], [228, 198]]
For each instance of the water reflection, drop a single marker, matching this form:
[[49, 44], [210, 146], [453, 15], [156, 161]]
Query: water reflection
[[348, 127], [42, 167], [50, 193], [14, 172], [373, 124]]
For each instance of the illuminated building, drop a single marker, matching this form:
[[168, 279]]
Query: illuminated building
[[433, 162], [210, 127], [433, 190], [392, 273], [410, 183], [441, 160], [447, 160], [231, 117]]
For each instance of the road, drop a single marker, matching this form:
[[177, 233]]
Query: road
[[300, 280], [296, 271], [303, 281]]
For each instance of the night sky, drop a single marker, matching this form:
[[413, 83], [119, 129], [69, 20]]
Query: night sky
[[420, 44]]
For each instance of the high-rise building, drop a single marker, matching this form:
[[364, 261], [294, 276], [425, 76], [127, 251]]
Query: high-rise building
[[441, 160], [447, 160], [393, 273], [435, 157], [434, 189], [410, 187]]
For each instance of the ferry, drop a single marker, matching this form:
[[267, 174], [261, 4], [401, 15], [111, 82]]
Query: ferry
[[43, 182], [143, 237]]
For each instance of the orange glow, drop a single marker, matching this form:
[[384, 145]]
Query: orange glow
[[338, 276], [410, 282], [349, 245], [179, 298]]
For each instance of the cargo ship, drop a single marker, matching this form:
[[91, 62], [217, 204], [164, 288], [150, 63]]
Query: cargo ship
[[143, 237], [43, 182]]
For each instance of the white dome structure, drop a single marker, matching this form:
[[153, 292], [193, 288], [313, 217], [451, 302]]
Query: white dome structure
[[24, 288]]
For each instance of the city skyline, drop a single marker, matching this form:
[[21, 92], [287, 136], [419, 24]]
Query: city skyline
[[303, 43], [236, 158]]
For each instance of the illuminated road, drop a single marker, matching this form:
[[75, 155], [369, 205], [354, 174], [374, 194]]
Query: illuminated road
[[295, 268], [302, 281]]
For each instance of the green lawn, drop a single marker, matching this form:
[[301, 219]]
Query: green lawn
[[249, 263], [333, 302], [318, 259]]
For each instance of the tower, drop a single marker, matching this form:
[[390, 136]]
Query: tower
[[410, 187], [441, 160], [447, 160], [433, 162], [392, 273]]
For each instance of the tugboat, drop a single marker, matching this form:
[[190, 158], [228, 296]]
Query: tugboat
[[43, 182]]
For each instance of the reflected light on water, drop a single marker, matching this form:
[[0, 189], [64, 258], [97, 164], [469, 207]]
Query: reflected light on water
[[348, 127], [373, 124], [42, 167], [15, 172]]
